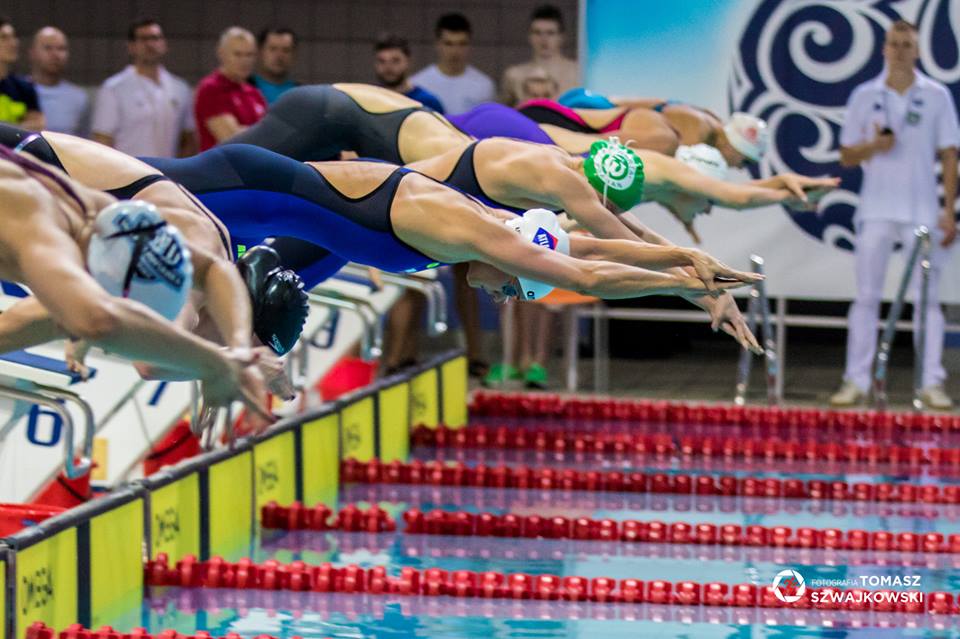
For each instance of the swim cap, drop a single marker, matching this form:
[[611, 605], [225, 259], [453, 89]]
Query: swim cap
[[280, 306], [541, 227], [134, 253], [580, 98], [748, 134], [705, 159], [616, 172]]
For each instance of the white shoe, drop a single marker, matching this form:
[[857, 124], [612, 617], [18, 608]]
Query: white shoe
[[849, 394], [935, 397]]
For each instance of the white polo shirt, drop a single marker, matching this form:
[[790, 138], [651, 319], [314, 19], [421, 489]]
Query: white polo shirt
[[144, 118], [901, 184]]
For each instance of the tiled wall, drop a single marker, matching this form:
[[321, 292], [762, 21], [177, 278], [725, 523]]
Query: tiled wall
[[337, 35]]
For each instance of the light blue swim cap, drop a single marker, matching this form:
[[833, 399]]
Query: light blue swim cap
[[581, 98]]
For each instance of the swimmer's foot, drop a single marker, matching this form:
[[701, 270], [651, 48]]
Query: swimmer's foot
[[501, 373], [536, 377]]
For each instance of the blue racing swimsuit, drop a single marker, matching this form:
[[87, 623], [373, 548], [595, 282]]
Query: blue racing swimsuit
[[259, 194]]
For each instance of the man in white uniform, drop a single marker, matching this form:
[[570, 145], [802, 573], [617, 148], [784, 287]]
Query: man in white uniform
[[145, 109], [896, 127]]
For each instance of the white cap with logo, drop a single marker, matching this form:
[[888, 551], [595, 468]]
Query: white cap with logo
[[542, 228]]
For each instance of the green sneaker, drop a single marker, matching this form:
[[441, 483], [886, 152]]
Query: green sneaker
[[536, 377], [499, 374]]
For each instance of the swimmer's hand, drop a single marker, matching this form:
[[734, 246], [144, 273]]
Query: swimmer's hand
[[806, 192], [271, 367], [74, 354], [726, 316], [239, 378], [713, 272]]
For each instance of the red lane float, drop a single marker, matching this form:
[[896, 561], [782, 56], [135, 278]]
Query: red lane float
[[660, 445], [440, 522], [468, 524], [490, 404], [39, 630], [546, 478], [350, 518], [436, 582]]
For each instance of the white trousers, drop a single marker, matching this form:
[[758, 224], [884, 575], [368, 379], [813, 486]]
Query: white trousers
[[875, 241]]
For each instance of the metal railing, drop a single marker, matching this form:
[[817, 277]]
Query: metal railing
[[54, 398], [431, 289], [759, 304], [371, 340], [920, 251]]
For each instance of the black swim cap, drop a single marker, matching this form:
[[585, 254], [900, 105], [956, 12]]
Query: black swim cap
[[280, 306]]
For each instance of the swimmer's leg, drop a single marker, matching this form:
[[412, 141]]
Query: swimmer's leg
[[298, 126]]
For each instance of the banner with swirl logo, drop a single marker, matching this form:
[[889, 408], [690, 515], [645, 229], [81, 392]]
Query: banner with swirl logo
[[794, 63]]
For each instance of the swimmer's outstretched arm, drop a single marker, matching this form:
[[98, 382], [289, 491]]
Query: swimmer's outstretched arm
[[706, 267], [51, 265], [27, 323], [506, 250], [225, 296], [678, 176]]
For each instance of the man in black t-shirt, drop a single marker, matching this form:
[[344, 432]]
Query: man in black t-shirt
[[18, 97]]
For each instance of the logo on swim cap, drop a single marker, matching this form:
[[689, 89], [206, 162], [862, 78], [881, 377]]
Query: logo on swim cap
[[544, 239], [616, 171], [134, 253], [540, 227]]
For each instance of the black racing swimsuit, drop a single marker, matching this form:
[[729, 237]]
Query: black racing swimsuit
[[316, 122]]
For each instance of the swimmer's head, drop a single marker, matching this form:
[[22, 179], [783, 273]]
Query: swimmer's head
[[280, 306], [542, 228], [134, 253], [745, 137], [500, 286], [616, 172], [704, 159]]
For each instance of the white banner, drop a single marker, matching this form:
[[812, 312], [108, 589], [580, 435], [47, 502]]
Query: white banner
[[794, 63]]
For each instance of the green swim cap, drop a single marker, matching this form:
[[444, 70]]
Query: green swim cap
[[616, 172]]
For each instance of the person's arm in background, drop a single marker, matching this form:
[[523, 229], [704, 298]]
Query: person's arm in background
[[188, 127], [33, 120], [213, 111], [106, 117], [948, 139], [948, 218]]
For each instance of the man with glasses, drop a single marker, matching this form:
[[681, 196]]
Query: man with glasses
[[145, 110]]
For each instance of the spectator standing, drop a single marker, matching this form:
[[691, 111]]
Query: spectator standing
[[65, 106], [226, 102], [525, 81], [391, 64], [145, 110], [18, 98], [278, 46], [895, 128], [459, 86]]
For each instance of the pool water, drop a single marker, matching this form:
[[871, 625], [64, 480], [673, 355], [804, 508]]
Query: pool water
[[315, 615]]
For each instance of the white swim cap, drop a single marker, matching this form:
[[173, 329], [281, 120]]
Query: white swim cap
[[748, 134], [705, 159], [134, 253], [541, 227]]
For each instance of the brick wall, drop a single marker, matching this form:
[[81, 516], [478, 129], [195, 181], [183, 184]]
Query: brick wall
[[337, 35]]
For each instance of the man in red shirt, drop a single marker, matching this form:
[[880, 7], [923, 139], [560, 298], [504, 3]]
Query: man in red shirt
[[226, 103]]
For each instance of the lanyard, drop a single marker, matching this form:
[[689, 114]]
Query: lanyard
[[910, 116]]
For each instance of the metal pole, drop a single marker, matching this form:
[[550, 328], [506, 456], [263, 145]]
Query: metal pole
[[781, 343], [921, 341], [882, 360], [601, 350], [745, 362], [509, 328], [769, 343], [571, 327], [72, 468]]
